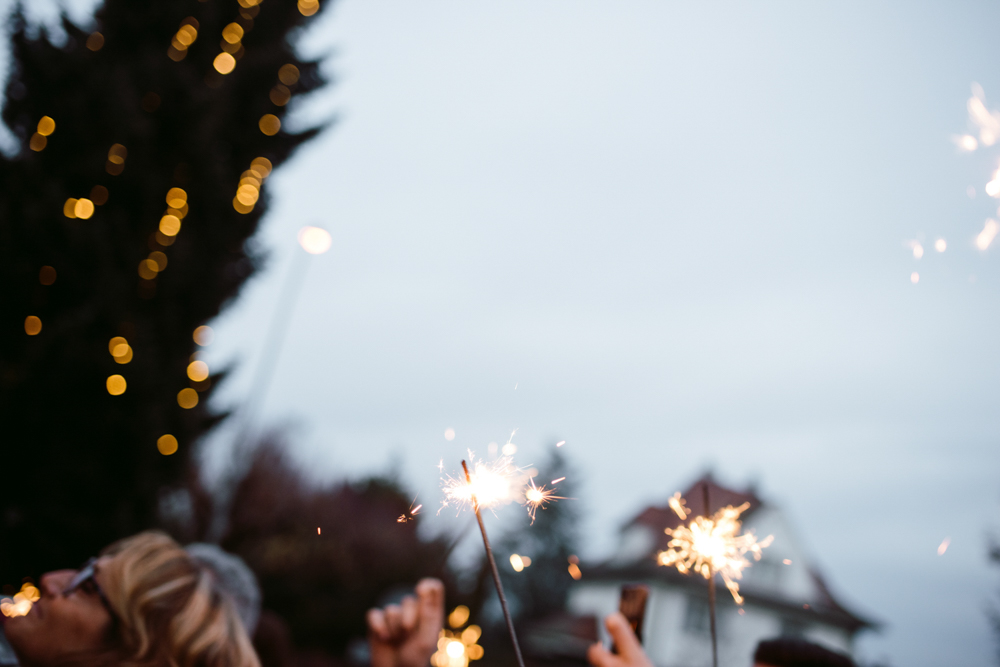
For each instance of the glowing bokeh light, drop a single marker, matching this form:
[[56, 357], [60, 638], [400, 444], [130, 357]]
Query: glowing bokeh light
[[197, 371], [985, 237], [166, 444], [315, 240], [940, 245], [187, 398], [46, 126], [32, 325], [914, 277], [449, 434], [224, 63], [116, 385], [269, 123], [203, 335]]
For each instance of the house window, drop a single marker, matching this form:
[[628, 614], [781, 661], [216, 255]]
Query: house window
[[696, 616]]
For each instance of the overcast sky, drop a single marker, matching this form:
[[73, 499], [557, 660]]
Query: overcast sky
[[673, 235]]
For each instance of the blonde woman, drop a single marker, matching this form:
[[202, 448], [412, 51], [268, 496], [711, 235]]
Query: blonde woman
[[147, 602]]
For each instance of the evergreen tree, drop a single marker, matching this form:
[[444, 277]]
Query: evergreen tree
[[542, 587], [125, 215]]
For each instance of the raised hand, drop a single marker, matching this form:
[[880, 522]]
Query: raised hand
[[406, 635], [630, 653]]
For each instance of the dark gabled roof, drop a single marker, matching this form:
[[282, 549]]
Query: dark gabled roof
[[660, 518]]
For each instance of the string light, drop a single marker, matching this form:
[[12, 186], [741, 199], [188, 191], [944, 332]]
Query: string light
[[166, 444], [182, 39]]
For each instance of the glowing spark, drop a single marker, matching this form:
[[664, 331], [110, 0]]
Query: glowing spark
[[449, 434], [492, 483], [914, 277], [410, 513], [943, 546], [441, 465], [556, 481], [918, 250], [985, 237], [535, 497], [677, 505], [940, 245], [712, 546], [318, 531], [787, 561], [560, 443]]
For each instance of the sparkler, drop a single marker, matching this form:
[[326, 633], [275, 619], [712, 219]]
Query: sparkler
[[711, 545], [490, 486]]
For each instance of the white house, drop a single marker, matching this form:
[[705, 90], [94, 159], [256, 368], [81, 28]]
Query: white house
[[784, 594]]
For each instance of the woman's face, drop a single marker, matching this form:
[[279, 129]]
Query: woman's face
[[60, 625]]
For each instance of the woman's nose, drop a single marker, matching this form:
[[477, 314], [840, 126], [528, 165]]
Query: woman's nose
[[54, 583]]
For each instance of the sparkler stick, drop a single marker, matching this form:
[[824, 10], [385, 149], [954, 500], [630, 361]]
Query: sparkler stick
[[493, 569], [711, 589]]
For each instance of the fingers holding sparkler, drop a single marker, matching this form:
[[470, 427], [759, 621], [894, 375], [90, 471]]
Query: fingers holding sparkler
[[405, 635], [630, 653]]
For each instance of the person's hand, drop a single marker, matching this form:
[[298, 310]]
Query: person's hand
[[406, 635], [630, 653]]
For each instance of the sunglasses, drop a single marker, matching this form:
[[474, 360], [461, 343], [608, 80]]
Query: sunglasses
[[84, 581]]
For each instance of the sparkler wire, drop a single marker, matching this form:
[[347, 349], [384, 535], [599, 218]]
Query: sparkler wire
[[495, 571], [711, 590]]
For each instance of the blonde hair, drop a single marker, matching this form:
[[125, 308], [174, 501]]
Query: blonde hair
[[170, 611]]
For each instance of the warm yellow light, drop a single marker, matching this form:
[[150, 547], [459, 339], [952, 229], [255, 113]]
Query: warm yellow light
[[187, 398], [37, 142], [280, 95], [224, 63], [248, 194], [315, 240], [117, 154], [166, 444], [116, 385], [170, 225], [269, 124], [158, 258], [176, 197], [32, 325], [125, 356], [516, 562], [458, 616], [308, 7], [47, 275], [84, 208], [46, 126], [455, 649], [147, 269], [69, 208], [203, 335], [471, 635], [95, 41], [115, 343], [186, 35], [197, 371], [241, 207], [262, 166], [232, 33], [288, 74]]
